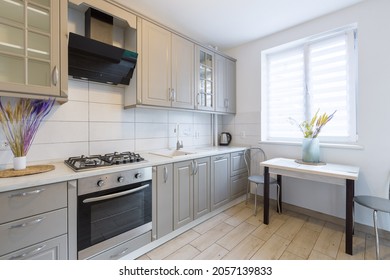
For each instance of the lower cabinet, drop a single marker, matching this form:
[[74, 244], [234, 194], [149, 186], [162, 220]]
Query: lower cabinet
[[191, 190], [239, 175], [33, 223], [220, 180], [163, 194]]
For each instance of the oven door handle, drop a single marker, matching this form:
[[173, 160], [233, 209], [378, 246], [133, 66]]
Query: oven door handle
[[109, 196]]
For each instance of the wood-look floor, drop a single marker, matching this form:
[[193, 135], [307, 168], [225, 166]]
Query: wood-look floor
[[237, 234]]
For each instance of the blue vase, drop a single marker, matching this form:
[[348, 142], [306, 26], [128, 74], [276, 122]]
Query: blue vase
[[311, 150]]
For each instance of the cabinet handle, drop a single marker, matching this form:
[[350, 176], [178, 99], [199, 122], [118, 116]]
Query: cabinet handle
[[196, 167], [26, 224], [32, 252], [26, 193], [55, 75], [165, 174], [219, 158], [173, 95], [119, 254], [198, 98]]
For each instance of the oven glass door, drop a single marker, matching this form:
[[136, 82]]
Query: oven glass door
[[105, 214]]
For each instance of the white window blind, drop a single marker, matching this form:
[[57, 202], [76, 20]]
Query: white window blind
[[316, 73]]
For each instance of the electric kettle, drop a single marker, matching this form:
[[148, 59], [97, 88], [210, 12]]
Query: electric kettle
[[226, 137]]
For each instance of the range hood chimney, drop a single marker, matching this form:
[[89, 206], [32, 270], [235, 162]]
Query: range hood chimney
[[94, 58]]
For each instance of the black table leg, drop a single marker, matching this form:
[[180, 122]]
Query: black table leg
[[350, 192], [279, 198], [266, 196]]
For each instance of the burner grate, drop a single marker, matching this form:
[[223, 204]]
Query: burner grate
[[88, 162]]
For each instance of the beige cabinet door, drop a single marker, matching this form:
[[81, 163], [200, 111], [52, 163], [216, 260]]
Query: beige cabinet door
[[225, 84], [164, 201], [182, 73], [183, 193], [201, 187], [30, 47], [156, 65], [220, 180]]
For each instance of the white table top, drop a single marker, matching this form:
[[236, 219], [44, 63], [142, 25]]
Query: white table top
[[290, 167]]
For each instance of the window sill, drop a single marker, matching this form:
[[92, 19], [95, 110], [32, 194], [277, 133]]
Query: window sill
[[325, 145]]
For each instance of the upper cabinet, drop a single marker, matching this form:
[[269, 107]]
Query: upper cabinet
[[167, 68], [205, 79], [33, 48], [225, 85]]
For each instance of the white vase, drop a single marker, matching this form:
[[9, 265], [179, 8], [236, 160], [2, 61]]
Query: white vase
[[20, 163], [311, 150]]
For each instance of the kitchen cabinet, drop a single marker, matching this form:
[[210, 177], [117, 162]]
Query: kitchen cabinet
[[167, 68], [33, 49], [238, 174], [191, 190], [204, 60], [225, 84], [33, 224], [163, 204], [220, 180]]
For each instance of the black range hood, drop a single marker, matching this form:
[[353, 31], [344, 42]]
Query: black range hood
[[93, 60]]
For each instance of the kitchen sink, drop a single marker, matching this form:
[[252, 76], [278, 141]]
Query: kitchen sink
[[172, 153]]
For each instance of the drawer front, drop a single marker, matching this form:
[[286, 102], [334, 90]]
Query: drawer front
[[32, 201], [53, 249], [238, 185], [25, 232], [238, 165], [125, 248]]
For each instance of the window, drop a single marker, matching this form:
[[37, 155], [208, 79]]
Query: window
[[317, 73]]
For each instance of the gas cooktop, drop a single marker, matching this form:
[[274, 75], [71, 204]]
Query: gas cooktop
[[80, 163]]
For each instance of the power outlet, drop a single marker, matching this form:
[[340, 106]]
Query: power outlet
[[242, 134], [4, 146]]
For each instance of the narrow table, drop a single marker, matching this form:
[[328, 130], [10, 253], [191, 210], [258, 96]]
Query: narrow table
[[331, 173]]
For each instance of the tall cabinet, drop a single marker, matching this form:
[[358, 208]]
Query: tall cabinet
[[167, 77], [33, 48]]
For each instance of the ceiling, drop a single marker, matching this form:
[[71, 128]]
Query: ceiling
[[229, 23]]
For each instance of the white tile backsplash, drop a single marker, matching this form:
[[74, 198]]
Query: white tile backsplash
[[93, 121]]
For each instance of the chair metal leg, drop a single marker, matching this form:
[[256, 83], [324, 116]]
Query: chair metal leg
[[376, 233], [247, 192], [256, 200]]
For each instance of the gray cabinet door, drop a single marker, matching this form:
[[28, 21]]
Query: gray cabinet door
[[220, 180], [183, 193], [164, 202], [201, 187]]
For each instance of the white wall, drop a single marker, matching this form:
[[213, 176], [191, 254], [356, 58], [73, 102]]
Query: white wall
[[373, 112], [93, 121]]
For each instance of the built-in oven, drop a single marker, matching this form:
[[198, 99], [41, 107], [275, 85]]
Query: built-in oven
[[112, 209]]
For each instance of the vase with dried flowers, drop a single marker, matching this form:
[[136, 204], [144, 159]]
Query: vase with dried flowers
[[310, 130], [20, 123]]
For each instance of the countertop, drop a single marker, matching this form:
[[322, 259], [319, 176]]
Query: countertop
[[63, 173]]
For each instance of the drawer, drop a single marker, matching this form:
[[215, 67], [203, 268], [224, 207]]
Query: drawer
[[238, 185], [25, 232], [237, 165], [32, 201], [125, 248], [52, 249]]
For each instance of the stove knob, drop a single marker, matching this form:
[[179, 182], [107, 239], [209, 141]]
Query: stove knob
[[120, 179], [138, 176], [100, 183]]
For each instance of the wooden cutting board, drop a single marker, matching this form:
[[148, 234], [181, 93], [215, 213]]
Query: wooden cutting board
[[32, 169]]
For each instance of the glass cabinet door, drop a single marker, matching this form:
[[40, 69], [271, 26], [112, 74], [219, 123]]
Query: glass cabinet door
[[205, 90], [27, 31]]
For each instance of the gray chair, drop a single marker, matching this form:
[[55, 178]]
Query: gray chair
[[253, 157], [377, 204]]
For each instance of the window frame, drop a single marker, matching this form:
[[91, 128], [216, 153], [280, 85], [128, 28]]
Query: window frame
[[352, 94]]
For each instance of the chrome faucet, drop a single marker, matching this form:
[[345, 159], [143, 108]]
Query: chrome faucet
[[179, 144]]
